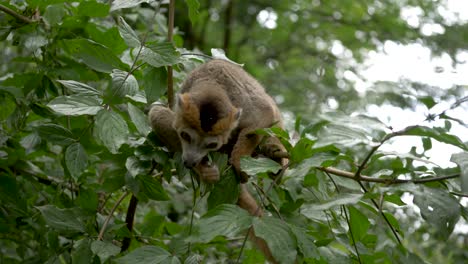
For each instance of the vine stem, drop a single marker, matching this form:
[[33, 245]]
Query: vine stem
[[16, 15], [106, 222]]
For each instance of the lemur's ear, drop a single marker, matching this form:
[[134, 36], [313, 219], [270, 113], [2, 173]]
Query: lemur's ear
[[180, 101]]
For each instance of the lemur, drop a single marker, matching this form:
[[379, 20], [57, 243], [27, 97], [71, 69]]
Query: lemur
[[219, 108]]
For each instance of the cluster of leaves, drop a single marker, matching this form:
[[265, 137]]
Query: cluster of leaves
[[75, 145]]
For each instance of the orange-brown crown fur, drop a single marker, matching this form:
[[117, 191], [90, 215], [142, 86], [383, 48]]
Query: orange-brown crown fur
[[208, 113]]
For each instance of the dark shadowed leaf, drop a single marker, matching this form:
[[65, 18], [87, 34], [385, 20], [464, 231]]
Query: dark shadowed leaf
[[63, 220], [151, 188], [305, 242], [226, 190], [93, 9], [93, 54], [76, 105], [111, 130], [56, 134]]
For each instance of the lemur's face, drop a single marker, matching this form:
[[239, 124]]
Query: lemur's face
[[202, 126]]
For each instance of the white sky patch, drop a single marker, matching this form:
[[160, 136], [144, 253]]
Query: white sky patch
[[267, 18]]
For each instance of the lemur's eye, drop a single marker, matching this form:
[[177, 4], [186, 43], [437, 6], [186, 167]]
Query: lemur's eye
[[212, 145], [185, 136]]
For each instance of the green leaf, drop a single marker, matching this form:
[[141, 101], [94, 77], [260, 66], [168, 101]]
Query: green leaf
[[277, 235], [254, 166], [154, 82], [93, 9], [342, 199], [93, 54], [147, 255], [79, 88], [111, 130], [437, 134], [54, 14], [81, 252], [88, 199], [342, 135], [193, 6], [139, 119], [123, 83], [76, 105], [151, 188], [63, 220], [104, 249], [76, 159], [135, 167], [160, 54], [438, 208], [127, 33], [461, 159], [305, 242], [225, 191], [119, 4], [56, 134], [225, 220], [359, 223]]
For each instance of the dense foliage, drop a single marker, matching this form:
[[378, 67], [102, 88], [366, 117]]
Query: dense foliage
[[77, 155]]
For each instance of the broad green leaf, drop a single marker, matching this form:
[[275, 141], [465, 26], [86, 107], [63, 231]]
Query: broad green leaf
[[81, 252], [76, 105], [93, 54], [342, 135], [437, 134], [63, 220], [342, 199], [139, 119], [79, 88], [225, 220], [359, 223], [225, 191], [128, 35], [104, 250], [151, 188], [54, 14], [56, 134], [305, 242], [279, 238], [461, 159], [147, 255], [123, 83], [93, 9], [119, 4], [160, 54], [111, 130], [302, 150], [439, 208], [254, 166], [76, 159], [193, 6], [154, 82], [87, 199], [135, 167]]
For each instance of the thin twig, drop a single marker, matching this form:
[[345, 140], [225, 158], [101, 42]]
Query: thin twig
[[106, 222], [16, 15], [170, 79], [263, 195]]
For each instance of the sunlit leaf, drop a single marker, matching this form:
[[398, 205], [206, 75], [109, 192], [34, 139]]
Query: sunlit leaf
[[147, 255], [76, 105], [160, 54], [225, 220], [104, 250], [79, 88], [461, 159], [76, 159], [123, 83], [254, 166], [128, 34], [279, 238], [93, 9], [193, 6], [139, 119], [119, 4], [342, 199], [111, 130]]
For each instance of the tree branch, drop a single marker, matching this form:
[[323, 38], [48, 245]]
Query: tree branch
[[16, 15], [129, 221], [106, 222]]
